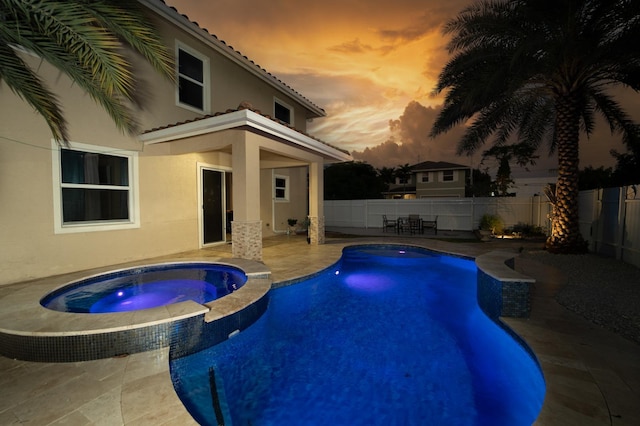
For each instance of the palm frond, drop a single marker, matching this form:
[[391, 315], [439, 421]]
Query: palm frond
[[133, 28], [89, 41], [24, 83]]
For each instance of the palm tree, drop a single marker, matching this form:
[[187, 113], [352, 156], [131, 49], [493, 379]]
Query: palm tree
[[536, 70], [403, 172], [387, 175], [89, 41]]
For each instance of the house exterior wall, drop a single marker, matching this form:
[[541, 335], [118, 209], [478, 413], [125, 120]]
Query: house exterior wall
[[230, 84], [167, 173], [167, 188], [437, 187], [168, 194], [274, 212]]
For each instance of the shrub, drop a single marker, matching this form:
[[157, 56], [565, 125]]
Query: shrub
[[526, 230], [492, 222]]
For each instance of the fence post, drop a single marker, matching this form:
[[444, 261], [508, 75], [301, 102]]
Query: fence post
[[596, 209], [622, 196], [366, 214]]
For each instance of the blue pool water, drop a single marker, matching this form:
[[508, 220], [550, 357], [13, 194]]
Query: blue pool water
[[146, 287], [389, 336]]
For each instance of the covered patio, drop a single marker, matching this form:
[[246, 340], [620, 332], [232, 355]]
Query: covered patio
[[250, 143]]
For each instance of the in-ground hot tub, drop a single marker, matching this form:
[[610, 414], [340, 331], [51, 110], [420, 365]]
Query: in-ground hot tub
[[31, 332], [146, 287]]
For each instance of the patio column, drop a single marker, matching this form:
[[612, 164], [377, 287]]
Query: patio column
[[316, 203], [246, 226]]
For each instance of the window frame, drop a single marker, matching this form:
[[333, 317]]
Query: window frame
[[206, 85], [424, 178], [444, 176], [287, 186], [277, 101], [133, 220]]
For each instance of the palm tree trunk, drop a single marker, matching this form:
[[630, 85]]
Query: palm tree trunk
[[565, 228]]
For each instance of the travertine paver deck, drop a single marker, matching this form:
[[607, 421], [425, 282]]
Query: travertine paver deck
[[593, 376]]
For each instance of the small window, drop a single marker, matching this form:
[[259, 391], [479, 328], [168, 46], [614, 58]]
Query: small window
[[193, 70], [425, 177], [282, 112], [281, 188], [447, 176], [94, 189]]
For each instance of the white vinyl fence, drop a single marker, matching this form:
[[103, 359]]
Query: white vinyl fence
[[610, 221], [609, 218], [460, 214]]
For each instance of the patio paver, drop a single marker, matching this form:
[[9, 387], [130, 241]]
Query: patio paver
[[593, 376]]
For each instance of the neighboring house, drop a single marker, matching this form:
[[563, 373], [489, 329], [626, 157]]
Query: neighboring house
[[431, 179], [227, 146]]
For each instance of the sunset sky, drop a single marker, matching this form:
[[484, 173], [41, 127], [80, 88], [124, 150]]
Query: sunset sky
[[370, 64]]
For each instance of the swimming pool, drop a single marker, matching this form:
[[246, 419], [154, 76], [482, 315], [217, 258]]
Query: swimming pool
[[146, 287], [388, 336]]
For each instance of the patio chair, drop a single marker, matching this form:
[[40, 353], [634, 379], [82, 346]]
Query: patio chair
[[431, 224], [403, 225], [388, 223], [415, 224]]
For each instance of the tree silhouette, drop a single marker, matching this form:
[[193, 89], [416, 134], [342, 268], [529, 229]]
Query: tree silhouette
[[539, 70]]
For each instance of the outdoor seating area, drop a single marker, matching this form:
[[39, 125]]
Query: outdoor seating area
[[412, 224]]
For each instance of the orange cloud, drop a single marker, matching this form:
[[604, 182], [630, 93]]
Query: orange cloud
[[368, 64]]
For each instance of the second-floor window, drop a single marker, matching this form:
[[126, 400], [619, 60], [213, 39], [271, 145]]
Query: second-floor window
[[193, 70], [447, 175], [282, 111], [425, 177]]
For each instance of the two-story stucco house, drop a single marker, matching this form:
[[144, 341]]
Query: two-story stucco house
[[431, 179], [439, 179], [226, 146]]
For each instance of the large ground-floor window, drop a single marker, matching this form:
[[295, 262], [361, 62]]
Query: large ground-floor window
[[94, 188]]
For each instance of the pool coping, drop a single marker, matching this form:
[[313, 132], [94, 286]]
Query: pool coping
[[584, 386], [31, 332]]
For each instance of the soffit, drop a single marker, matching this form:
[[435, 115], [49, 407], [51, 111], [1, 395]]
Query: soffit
[[244, 119]]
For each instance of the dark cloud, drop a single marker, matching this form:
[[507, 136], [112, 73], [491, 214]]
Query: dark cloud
[[356, 46], [353, 46], [425, 24], [410, 141]]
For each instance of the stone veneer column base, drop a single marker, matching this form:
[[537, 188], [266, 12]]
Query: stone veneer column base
[[316, 230], [246, 241]]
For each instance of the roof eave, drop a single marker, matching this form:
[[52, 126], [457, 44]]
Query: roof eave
[[242, 118], [170, 14]]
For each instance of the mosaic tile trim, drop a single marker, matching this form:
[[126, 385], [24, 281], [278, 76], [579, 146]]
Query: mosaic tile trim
[[503, 298], [92, 346], [196, 336], [183, 336]]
